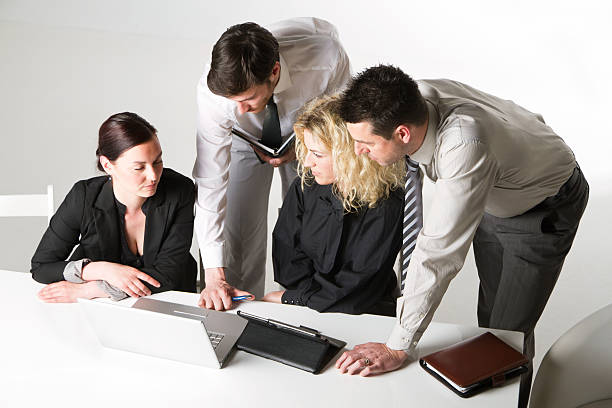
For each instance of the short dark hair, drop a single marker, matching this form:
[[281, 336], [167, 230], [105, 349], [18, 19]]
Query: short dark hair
[[242, 57], [121, 132], [385, 97]]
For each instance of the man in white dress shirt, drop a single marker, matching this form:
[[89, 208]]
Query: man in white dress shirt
[[251, 69], [504, 181]]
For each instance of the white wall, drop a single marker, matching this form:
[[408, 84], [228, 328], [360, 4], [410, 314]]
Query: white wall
[[67, 65]]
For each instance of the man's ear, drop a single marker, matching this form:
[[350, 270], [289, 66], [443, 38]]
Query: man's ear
[[402, 132], [275, 71]]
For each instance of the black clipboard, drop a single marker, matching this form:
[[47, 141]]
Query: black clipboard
[[282, 149], [296, 346]]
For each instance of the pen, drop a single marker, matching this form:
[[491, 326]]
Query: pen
[[302, 329], [239, 298]]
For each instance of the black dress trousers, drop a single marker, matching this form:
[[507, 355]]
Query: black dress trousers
[[519, 260]]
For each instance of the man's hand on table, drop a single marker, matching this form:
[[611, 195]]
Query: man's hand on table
[[370, 358], [218, 293]]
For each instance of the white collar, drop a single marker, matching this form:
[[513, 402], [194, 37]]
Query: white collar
[[284, 82]]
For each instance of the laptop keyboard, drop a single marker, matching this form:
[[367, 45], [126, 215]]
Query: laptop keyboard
[[215, 338]]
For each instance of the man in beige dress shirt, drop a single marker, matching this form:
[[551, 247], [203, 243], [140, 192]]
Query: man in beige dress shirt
[[504, 181]]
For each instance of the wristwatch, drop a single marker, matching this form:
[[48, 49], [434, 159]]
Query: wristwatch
[[86, 261]]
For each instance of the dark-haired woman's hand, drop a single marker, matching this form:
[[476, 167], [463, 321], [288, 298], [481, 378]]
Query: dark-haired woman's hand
[[123, 277], [68, 292]]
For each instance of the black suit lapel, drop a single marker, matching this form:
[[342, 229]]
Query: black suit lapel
[[156, 209], [107, 224]]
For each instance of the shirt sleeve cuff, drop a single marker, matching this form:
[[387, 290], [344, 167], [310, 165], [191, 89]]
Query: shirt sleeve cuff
[[402, 339], [292, 297], [114, 293], [73, 270], [213, 256]]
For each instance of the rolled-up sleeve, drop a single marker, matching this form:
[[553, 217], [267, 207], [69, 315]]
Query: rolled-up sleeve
[[341, 74]]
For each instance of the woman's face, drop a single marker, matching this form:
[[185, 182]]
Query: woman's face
[[137, 170], [318, 159]]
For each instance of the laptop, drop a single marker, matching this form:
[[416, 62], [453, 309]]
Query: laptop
[[168, 330]]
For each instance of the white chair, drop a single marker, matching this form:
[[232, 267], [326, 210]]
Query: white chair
[[577, 370], [27, 205]]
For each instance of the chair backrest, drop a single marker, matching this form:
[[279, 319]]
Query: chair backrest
[[27, 205], [577, 370]]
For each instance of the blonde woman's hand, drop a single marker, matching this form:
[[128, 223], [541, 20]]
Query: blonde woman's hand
[[274, 296]]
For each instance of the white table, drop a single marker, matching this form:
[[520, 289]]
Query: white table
[[50, 357]]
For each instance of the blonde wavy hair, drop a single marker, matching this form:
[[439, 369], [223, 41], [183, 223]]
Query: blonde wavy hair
[[359, 180]]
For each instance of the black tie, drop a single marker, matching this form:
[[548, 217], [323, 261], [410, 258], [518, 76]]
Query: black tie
[[271, 132]]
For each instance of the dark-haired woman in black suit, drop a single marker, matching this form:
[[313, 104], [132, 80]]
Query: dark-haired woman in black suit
[[132, 228]]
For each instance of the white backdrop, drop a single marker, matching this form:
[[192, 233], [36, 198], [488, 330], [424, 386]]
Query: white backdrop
[[65, 66]]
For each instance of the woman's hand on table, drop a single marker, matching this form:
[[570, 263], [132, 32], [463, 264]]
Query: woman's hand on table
[[123, 277], [68, 292]]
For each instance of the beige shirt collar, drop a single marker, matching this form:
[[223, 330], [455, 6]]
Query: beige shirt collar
[[424, 154]]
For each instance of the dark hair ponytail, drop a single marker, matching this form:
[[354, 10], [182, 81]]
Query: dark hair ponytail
[[121, 132]]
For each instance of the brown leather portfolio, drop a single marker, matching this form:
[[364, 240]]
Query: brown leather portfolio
[[475, 364]]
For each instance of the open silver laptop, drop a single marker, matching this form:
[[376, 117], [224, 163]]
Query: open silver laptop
[[167, 330]]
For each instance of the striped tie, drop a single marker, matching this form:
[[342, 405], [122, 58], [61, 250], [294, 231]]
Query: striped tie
[[413, 214]]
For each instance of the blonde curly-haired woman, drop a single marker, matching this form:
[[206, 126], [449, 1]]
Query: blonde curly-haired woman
[[338, 232]]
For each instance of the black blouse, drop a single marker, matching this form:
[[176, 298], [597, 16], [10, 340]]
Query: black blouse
[[333, 261], [127, 256]]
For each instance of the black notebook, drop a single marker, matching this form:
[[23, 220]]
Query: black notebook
[[275, 152], [297, 346]]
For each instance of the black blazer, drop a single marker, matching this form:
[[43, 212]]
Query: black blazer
[[89, 218], [333, 261]]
